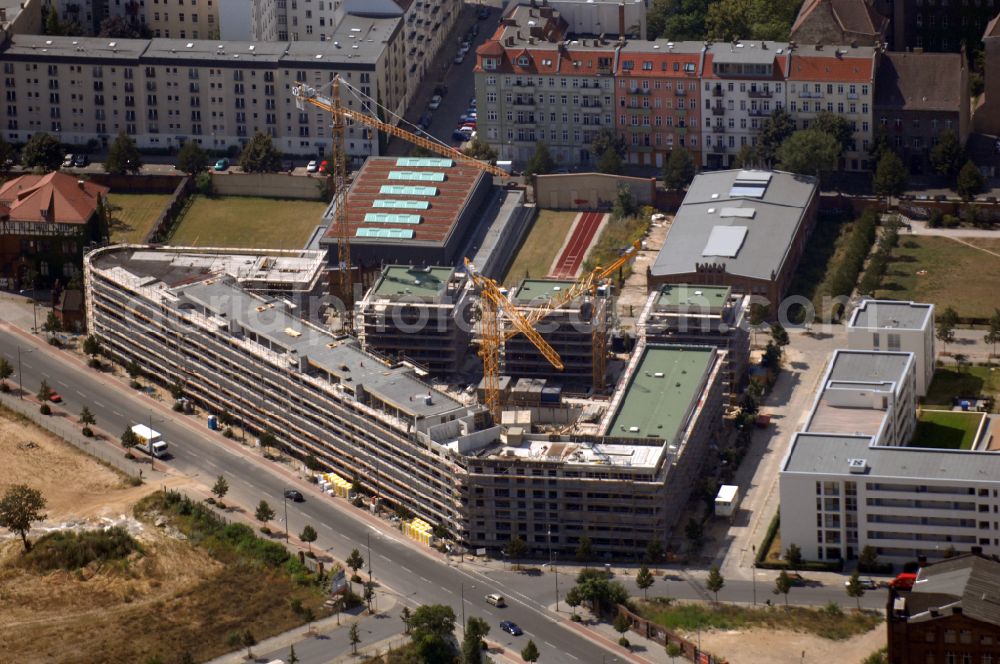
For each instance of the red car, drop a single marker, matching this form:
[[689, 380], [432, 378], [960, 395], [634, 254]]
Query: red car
[[324, 166], [55, 398]]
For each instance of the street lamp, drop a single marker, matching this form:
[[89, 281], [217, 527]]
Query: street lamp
[[284, 493], [20, 374], [553, 567], [754, 577], [152, 456]]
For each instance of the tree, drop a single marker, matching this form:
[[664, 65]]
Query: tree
[[123, 156], [541, 162], [308, 535], [727, 20], [947, 156], [868, 558], [6, 155], [129, 440], [6, 371], [42, 152], [479, 149], [679, 169], [773, 133], [854, 588], [779, 334], [793, 554], [355, 638], [430, 627], [20, 507], [606, 139], [355, 561], [249, 641], [117, 27], [133, 369], [992, 336], [584, 550], [624, 203], [610, 162], [52, 323], [574, 599], [260, 155], [264, 512], [529, 653], [44, 391], [599, 591], [676, 19], [808, 152], [694, 531], [476, 630], [970, 181], [836, 126], [715, 582], [292, 657], [220, 488], [369, 595], [192, 159], [654, 552], [746, 157], [673, 651], [890, 175], [947, 321], [516, 549], [86, 417], [880, 656], [405, 616], [91, 346], [782, 585], [621, 623], [644, 579]]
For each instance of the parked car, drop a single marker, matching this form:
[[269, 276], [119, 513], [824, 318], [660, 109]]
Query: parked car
[[294, 496], [81, 160], [472, 102], [435, 103], [511, 628], [68, 161], [464, 47], [463, 134], [484, 13], [312, 166], [460, 58], [221, 165], [324, 167], [441, 89], [55, 398], [867, 583]]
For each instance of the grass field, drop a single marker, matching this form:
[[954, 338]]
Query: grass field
[[135, 215], [231, 221], [954, 274], [946, 430], [829, 623], [540, 247], [970, 382], [618, 234], [822, 257]]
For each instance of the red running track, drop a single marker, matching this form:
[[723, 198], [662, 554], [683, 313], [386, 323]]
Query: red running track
[[576, 249]]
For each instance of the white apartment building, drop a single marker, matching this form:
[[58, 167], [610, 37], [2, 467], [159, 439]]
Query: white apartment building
[[163, 92], [850, 480], [177, 19], [896, 326]]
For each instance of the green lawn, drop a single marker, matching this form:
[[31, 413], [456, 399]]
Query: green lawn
[[953, 274], [540, 247], [821, 259], [951, 430], [237, 221], [135, 215]]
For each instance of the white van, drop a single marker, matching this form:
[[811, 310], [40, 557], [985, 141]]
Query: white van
[[496, 600]]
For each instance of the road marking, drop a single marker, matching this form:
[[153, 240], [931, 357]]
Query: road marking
[[63, 384], [98, 404], [117, 413], [573, 656], [27, 365], [81, 394], [406, 569], [425, 579], [384, 558], [447, 591], [550, 644], [194, 454]]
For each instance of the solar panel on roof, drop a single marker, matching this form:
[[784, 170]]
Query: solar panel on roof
[[425, 162], [385, 233], [384, 218], [745, 213], [401, 205], [407, 190], [762, 177], [725, 241], [421, 176], [747, 192]]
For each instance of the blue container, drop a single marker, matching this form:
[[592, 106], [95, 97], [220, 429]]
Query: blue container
[[213, 422]]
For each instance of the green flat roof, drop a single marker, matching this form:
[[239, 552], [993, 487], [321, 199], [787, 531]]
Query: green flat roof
[[661, 392], [389, 218], [419, 176], [674, 296], [400, 204], [536, 290], [385, 233], [425, 162], [422, 282], [407, 190]]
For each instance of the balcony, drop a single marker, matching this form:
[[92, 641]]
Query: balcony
[[524, 84], [681, 112], [717, 91], [680, 92], [717, 129], [760, 94], [718, 110], [523, 101], [718, 147], [639, 91], [852, 95], [759, 112]]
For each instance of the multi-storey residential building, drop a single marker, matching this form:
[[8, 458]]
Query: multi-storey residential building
[[183, 19], [839, 22], [658, 99], [534, 85], [918, 96], [896, 326], [940, 26], [201, 319], [45, 222], [417, 313], [840, 80], [601, 17], [426, 25], [742, 84], [988, 115], [19, 17], [163, 92]]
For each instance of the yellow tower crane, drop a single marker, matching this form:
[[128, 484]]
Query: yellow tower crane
[[305, 94], [493, 336]]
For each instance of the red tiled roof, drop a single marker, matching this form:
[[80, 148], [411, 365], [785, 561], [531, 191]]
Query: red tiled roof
[[856, 17], [435, 223], [491, 48], [833, 69], [64, 199], [658, 59]]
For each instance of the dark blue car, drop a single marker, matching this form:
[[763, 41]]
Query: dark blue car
[[511, 628]]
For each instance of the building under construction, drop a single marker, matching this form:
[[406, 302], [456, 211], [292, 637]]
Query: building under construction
[[577, 331], [420, 314]]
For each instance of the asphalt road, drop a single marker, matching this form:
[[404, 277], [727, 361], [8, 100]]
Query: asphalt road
[[398, 567]]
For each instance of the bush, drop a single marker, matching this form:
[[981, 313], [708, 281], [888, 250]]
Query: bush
[[45, 409], [94, 363], [203, 184], [950, 221], [54, 341], [575, 618], [87, 432], [135, 385], [623, 642], [265, 530], [4, 387], [177, 407], [73, 550]]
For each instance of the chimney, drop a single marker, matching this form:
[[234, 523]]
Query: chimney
[[621, 19]]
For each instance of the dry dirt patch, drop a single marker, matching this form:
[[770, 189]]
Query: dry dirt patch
[[758, 646]]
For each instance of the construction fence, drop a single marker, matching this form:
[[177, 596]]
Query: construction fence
[[662, 636]]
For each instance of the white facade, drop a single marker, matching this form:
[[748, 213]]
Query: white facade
[[234, 20], [896, 326], [587, 17]]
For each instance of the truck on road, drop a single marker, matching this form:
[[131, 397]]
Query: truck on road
[[150, 441]]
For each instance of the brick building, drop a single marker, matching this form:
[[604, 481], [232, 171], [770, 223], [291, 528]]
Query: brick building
[[839, 22]]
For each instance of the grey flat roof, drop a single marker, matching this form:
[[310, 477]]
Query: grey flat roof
[[863, 366], [748, 52], [666, 46], [828, 454], [891, 314], [778, 215], [201, 49], [39, 46], [340, 357]]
